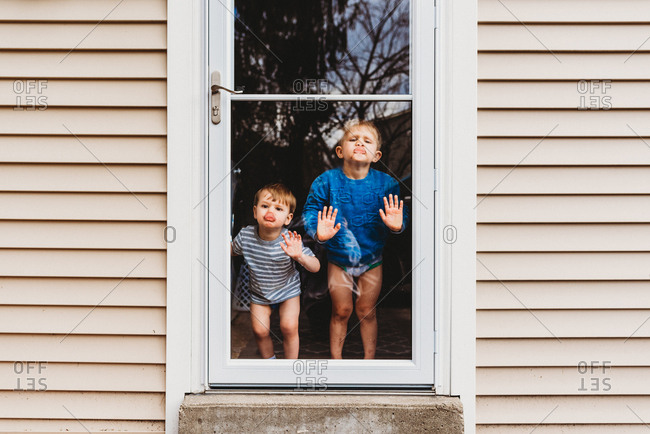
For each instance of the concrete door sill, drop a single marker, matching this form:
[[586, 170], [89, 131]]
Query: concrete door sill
[[330, 412]]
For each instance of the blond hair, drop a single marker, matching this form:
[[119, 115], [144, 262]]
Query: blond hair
[[359, 123], [280, 193]]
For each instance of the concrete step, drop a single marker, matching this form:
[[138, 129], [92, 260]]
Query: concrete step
[[332, 412]]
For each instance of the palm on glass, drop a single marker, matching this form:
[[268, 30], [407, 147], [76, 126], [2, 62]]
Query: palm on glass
[[327, 226], [393, 216], [292, 245]]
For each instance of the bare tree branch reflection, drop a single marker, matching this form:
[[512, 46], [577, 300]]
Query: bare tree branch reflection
[[357, 47]]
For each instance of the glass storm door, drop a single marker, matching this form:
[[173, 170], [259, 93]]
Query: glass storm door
[[302, 69]]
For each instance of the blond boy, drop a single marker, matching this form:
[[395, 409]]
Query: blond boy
[[352, 210]]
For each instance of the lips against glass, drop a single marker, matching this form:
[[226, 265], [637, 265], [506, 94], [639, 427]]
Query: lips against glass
[[359, 144], [271, 213]]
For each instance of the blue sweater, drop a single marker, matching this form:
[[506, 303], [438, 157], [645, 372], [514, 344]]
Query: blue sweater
[[362, 236]]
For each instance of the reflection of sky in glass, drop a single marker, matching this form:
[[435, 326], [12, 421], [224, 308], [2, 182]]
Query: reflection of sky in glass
[[378, 41], [379, 110], [362, 48]]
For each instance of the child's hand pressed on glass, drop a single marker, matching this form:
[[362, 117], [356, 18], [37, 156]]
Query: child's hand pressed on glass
[[326, 224], [292, 245], [393, 215]]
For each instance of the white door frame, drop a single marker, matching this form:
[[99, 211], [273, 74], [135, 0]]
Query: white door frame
[[186, 370], [224, 371]]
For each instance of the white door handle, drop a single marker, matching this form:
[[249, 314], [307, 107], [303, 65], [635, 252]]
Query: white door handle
[[215, 99]]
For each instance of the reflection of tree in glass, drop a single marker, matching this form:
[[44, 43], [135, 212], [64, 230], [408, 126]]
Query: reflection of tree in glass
[[377, 61], [305, 36], [358, 47], [309, 47], [301, 39]]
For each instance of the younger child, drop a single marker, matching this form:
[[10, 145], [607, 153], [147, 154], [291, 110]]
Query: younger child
[[274, 280], [344, 212]]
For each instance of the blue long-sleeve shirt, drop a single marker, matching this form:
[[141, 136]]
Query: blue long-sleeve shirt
[[362, 236]]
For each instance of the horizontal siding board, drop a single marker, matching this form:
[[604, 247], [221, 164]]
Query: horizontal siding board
[[580, 95], [563, 66], [83, 178], [36, 93], [83, 206], [79, 121], [80, 36], [563, 323], [83, 405], [536, 352], [563, 266], [563, 209], [68, 291], [585, 379], [561, 237], [82, 377], [562, 180], [83, 10], [82, 348], [43, 65], [565, 37], [564, 295], [562, 151], [67, 149], [82, 263], [82, 235], [73, 426], [98, 321], [562, 409], [564, 123], [554, 11]]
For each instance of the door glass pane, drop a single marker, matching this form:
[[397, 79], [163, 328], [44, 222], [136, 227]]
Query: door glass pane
[[293, 143], [322, 46]]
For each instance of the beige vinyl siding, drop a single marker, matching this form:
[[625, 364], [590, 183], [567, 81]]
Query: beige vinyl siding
[[75, 11], [563, 11], [108, 36], [76, 93], [82, 206], [81, 235], [66, 149], [563, 236], [83, 64], [82, 215]]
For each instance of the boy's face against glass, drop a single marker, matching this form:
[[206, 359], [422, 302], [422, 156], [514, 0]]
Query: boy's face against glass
[[270, 213], [359, 145]]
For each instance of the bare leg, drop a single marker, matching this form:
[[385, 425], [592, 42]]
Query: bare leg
[[369, 289], [289, 313], [261, 322], [340, 286]]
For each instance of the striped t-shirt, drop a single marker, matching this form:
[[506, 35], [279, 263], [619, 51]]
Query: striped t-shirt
[[273, 276]]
